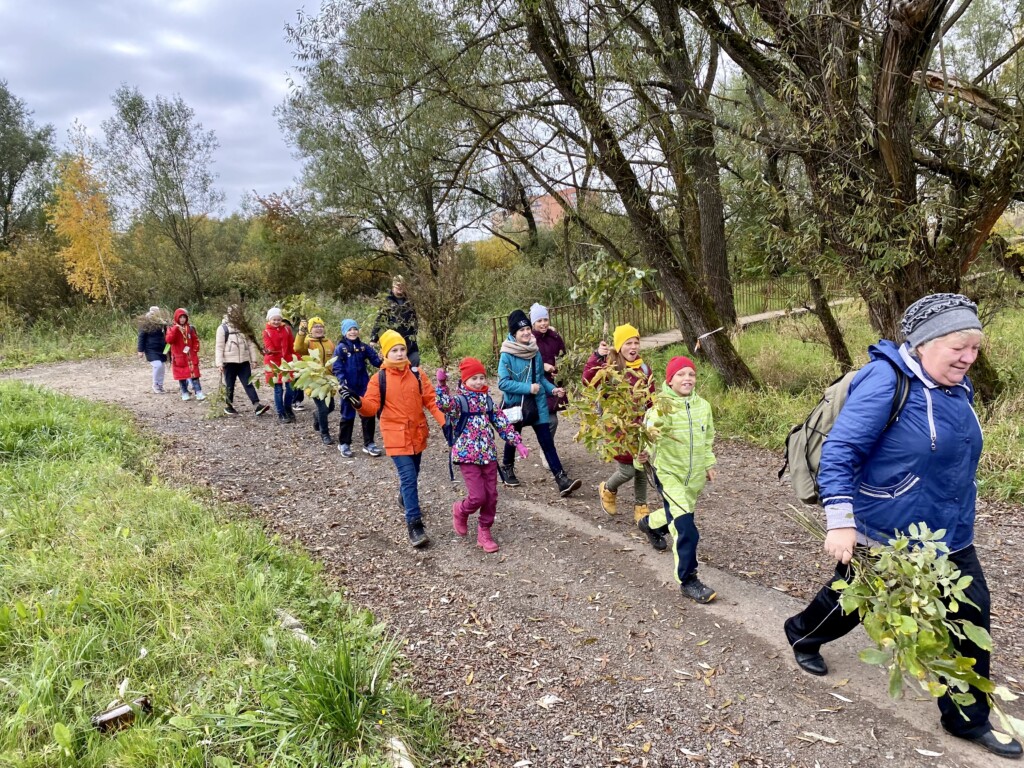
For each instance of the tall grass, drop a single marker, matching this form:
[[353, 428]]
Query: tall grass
[[115, 586]]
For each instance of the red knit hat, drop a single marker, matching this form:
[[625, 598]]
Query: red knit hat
[[676, 364], [470, 367]]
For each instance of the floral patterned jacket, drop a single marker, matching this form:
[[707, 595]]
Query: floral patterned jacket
[[476, 443]]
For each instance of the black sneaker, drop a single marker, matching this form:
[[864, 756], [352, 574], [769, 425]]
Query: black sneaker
[[289, 418], [656, 538], [298, 407], [566, 485], [326, 439], [508, 475], [417, 535], [229, 411], [261, 409], [696, 591]]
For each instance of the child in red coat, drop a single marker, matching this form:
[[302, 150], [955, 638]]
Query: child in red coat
[[278, 348], [184, 343]]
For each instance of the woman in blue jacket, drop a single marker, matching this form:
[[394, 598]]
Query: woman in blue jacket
[[522, 383], [875, 482]]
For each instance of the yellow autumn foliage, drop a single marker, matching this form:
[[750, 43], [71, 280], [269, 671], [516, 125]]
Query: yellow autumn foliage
[[82, 218]]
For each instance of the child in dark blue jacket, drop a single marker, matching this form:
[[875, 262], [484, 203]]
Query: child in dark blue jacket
[[350, 369], [151, 343]]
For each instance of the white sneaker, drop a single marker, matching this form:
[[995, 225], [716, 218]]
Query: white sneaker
[[544, 463], [186, 397], [200, 396]]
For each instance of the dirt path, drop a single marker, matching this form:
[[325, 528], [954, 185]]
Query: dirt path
[[572, 646]]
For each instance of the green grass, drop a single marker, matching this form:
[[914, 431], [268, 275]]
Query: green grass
[[116, 586]]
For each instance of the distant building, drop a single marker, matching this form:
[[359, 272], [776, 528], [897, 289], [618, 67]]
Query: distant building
[[547, 212]]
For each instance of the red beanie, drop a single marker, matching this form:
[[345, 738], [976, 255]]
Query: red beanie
[[676, 364], [470, 367]]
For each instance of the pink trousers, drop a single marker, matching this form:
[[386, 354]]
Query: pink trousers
[[481, 491]]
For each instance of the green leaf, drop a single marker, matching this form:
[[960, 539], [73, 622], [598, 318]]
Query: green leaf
[[895, 682], [875, 656], [62, 736], [977, 635]]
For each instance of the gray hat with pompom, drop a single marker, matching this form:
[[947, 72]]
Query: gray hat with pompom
[[936, 315]]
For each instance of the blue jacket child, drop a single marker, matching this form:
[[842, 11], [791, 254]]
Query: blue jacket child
[[350, 367]]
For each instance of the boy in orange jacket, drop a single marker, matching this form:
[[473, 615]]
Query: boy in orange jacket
[[403, 424]]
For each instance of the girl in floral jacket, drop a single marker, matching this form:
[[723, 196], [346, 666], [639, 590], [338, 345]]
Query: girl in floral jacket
[[474, 450]]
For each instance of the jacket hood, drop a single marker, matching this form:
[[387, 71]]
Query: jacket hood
[[901, 357], [178, 313]]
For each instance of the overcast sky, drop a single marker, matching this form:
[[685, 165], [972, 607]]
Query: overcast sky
[[227, 59]]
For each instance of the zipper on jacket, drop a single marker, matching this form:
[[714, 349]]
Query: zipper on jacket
[[931, 420]]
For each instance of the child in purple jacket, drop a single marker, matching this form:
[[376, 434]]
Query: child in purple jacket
[[472, 409]]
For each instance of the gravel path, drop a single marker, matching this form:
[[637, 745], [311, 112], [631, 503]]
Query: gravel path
[[572, 645]]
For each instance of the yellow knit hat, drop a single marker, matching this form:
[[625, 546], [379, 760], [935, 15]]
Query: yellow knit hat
[[388, 339], [623, 333]]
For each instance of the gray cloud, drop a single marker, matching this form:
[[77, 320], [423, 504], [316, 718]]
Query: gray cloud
[[227, 59]]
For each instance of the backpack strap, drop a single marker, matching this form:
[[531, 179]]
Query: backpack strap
[[382, 383]]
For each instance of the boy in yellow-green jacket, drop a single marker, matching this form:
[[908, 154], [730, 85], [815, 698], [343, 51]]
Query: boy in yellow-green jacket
[[683, 430]]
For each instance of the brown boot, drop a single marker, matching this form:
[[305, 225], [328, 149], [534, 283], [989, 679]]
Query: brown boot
[[608, 500]]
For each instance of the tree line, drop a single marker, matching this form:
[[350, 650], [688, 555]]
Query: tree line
[[701, 141]]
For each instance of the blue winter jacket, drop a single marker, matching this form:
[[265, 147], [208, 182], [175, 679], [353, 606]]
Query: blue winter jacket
[[350, 369], [921, 469], [515, 376]]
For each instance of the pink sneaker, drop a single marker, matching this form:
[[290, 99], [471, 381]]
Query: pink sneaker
[[459, 519], [484, 540]]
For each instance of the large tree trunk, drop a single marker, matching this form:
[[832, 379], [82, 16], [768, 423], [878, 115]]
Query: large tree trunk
[[686, 293]]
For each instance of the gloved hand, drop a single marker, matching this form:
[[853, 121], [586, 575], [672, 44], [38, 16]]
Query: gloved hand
[[522, 450], [345, 393], [442, 376]]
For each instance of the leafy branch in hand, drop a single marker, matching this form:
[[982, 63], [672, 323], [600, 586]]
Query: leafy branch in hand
[[904, 593], [312, 375]]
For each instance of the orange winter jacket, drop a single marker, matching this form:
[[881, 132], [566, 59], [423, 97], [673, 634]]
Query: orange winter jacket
[[403, 424]]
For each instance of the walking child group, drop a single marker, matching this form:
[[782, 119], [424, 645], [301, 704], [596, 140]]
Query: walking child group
[[400, 396]]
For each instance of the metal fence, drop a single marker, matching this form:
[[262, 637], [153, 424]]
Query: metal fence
[[650, 313]]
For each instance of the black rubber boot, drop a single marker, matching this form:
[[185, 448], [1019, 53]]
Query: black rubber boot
[[566, 485], [417, 535], [656, 537], [508, 475]]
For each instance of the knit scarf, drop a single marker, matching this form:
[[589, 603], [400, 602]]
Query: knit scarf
[[522, 351], [634, 364]]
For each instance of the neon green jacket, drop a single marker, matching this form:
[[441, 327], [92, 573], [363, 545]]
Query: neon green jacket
[[682, 453]]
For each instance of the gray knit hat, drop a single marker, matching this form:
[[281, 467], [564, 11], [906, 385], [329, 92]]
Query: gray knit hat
[[937, 315]]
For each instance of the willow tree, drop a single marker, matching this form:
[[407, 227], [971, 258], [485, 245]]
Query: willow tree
[[910, 138], [157, 161], [377, 150]]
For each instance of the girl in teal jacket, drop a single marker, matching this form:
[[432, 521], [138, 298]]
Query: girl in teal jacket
[[683, 431], [522, 383]]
